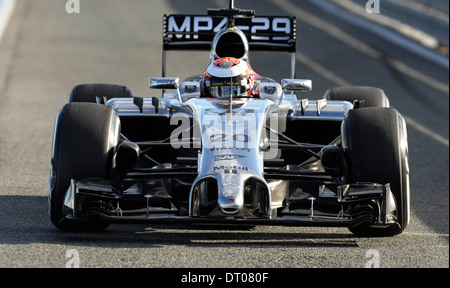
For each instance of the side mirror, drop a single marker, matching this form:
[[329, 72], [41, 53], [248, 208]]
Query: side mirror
[[302, 85], [166, 83]]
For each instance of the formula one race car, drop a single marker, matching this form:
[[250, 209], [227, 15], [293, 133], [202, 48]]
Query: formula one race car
[[229, 146]]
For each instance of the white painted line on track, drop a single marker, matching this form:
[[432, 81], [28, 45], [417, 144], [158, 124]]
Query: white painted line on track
[[383, 32], [424, 130], [422, 8], [6, 10], [400, 27]]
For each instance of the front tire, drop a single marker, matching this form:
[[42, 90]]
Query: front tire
[[375, 144], [85, 138]]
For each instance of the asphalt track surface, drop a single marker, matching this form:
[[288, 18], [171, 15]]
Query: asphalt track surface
[[45, 52]]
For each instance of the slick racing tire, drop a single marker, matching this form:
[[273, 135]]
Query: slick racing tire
[[376, 147], [85, 137], [372, 97], [90, 92]]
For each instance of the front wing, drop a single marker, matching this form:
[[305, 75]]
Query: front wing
[[148, 201]]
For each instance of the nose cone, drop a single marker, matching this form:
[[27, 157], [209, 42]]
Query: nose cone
[[231, 196]]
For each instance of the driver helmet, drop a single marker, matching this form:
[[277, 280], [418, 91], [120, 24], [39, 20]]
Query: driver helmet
[[227, 77]]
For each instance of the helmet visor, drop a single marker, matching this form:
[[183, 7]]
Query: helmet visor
[[220, 88]]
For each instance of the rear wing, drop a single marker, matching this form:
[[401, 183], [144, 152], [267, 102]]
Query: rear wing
[[196, 32]]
